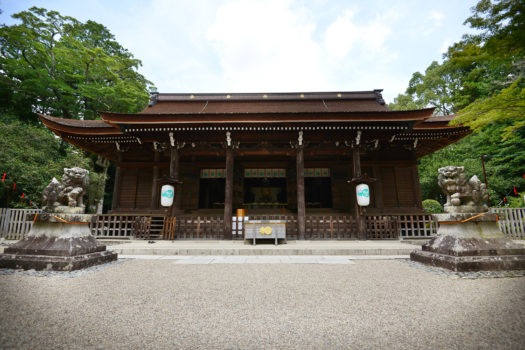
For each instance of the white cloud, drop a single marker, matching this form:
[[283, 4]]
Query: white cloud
[[265, 46], [274, 46], [445, 46], [437, 17], [341, 35]]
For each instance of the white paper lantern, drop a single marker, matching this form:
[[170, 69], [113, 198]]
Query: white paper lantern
[[363, 194], [167, 193]]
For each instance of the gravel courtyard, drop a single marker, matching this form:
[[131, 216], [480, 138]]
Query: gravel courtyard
[[156, 304]]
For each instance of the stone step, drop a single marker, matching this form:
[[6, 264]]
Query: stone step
[[259, 251]]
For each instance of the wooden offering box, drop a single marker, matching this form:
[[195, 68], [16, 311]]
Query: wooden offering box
[[265, 229]]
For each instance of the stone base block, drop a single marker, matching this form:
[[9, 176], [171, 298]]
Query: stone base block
[[55, 263], [470, 263], [471, 254], [55, 246], [52, 244]]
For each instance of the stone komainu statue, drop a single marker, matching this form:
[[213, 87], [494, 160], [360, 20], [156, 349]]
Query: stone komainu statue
[[69, 191], [462, 195]]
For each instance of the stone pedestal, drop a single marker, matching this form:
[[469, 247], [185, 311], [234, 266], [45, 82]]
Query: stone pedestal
[[56, 241], [474, 245]]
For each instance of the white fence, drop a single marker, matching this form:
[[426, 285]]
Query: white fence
[[511, 221], [14, 224]]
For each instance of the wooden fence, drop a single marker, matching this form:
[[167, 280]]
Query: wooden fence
[[15, 223], [416, 226]]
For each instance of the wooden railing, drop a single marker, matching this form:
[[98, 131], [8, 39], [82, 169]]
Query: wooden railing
[[194, 227], [330, 227], [127, 226], [15, 223], [382, 227], [511, 221], [316, 227]]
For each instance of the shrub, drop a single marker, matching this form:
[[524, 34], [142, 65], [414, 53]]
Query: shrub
[[432, 206]]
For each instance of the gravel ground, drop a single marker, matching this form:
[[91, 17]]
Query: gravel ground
[[156, 304]]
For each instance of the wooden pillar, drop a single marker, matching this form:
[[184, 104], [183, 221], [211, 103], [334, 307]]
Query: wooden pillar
[[228, 194], [301, 221], [174, 174], [154, 183], [116, 188], [359, 213], [378, 188], [137, 173], [417, 187]]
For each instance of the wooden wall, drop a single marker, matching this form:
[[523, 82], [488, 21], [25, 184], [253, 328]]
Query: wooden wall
[[396, 188], [190, 176], [135, 190]]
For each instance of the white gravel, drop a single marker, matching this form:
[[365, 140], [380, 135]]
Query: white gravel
[[156, 304]]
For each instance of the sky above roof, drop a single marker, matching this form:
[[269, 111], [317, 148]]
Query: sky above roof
[[202, 46]]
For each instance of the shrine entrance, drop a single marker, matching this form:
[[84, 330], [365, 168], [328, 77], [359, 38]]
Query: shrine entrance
[[211, 189], [318, 192], [264, 189]]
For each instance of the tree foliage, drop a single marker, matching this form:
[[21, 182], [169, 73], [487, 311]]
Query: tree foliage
[[31, 156], [502, 38], [56, 65], [432, 206], [503, 162], [481, 80]]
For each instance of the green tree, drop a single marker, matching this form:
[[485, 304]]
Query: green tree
[[503, 162], [31, 156], [502, 25], [481, 80], [56, 65]]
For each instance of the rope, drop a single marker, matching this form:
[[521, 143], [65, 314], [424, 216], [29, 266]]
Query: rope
[[459, 222], [70, 222]]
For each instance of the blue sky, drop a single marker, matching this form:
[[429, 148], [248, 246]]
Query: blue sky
[[274, 45]]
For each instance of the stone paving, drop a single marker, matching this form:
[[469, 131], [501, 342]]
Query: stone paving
[[160, 304], [263, 259]]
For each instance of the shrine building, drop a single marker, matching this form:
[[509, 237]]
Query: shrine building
[[290, 154]]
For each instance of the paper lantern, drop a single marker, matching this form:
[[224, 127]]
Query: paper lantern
[[167, 193], [363, 194]]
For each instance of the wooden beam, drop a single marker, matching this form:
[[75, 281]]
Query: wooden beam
[[417, 187], [378, 188], [228, 194], [136, 188], [301, 222], [175, 174], [154, 182], [359, 213], [116, 188]]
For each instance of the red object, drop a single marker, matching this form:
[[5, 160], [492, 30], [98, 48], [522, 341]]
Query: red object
[[14, 185], [3, 177], [504, 199], [524, 176], [515, 192], [23, 194]]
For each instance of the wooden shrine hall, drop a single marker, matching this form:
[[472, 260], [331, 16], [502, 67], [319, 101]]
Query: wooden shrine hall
[[295, 154]]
